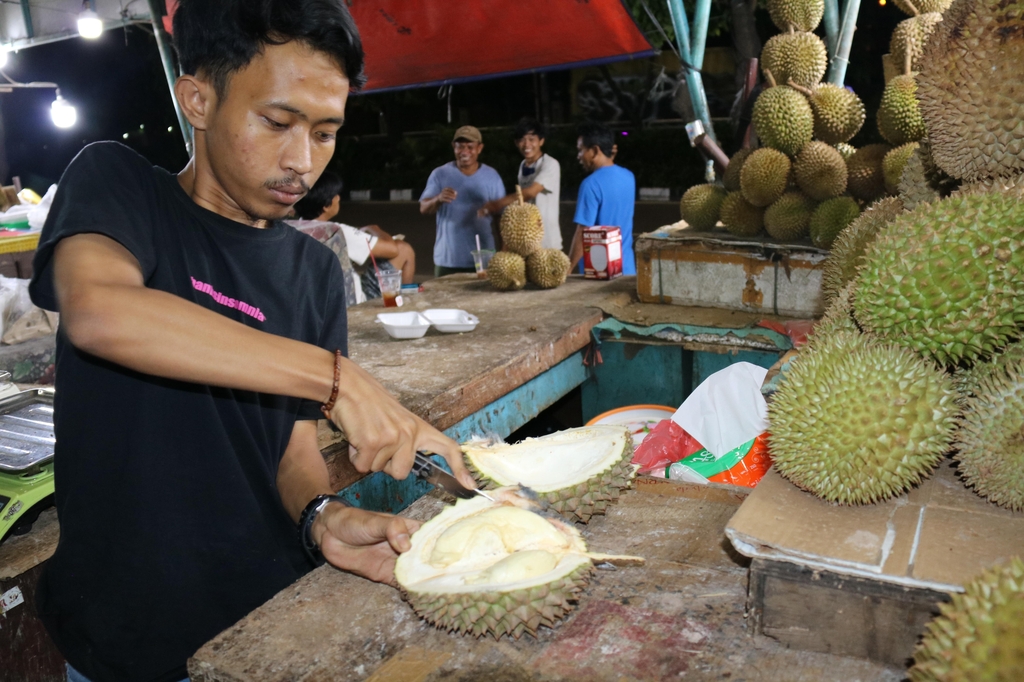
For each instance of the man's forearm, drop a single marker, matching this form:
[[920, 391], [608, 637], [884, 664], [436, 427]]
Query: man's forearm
[[429, 206], [302, 474]]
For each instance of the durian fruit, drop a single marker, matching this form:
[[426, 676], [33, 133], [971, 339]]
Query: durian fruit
[[968, 380], [971, 90], [799, 15], [977, 635], [856, 421], [838, 112], [764, 176], [990, 442], [865, 179], [922, 180], [740, 217], [507, 271], [578, 472], [899, 117], [830, 218], [847, 251], [894, 163], [496, 568], [838, 317], [845, 150], [797, 57], [783, 119], [1008, 185], [547, 268], [946, 279], [820, 171], [788, 218], [731, 176], [522, 228], [909, 37], [700, 206], [923, 6]]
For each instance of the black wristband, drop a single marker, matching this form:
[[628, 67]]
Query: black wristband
[[306, 519]]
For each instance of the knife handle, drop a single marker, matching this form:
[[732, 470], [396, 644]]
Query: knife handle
[[421, 465]]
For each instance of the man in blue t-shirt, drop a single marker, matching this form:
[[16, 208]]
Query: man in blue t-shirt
[[456, 192], [606, 195]]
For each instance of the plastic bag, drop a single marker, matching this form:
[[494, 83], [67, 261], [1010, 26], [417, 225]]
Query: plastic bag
[[744, 466], [667, 442], [37, 216], [14, 301]]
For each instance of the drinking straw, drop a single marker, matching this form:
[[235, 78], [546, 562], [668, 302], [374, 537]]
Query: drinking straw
[[478, 243]]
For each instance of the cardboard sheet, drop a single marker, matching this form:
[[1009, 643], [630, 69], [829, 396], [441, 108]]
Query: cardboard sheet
[[938, 536]]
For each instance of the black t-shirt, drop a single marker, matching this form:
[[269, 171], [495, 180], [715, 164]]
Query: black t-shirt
[[172, 528]]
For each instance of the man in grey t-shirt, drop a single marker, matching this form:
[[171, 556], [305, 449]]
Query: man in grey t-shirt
[[456, 192], [540, 177]]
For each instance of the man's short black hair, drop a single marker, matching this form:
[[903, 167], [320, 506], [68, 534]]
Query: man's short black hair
[[219, 37], [319, 196], [526, 126], [596, 134]]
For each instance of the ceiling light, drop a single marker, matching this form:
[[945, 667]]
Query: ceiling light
[[90, 25], [62, 113]]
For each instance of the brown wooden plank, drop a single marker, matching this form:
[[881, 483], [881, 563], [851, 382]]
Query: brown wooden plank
[[680, 615], [27, 654]]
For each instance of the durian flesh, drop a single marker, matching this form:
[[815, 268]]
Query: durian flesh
[[495, 568], [579, 472]]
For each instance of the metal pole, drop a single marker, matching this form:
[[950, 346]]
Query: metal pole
[[841, 59], [699, 36], [163, 45], [26, 15], [831, 24], [694, 83]]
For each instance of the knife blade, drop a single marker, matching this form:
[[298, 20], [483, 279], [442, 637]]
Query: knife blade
[[425, 468]]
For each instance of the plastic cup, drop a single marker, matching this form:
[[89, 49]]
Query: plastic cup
[[481, 258], [390, 288]]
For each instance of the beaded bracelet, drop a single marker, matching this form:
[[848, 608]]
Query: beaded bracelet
[[329, 405]]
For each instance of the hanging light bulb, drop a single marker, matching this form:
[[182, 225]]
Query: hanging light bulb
[[90, 26], [62, 112]]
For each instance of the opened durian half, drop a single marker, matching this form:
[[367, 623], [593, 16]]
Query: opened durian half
[[496, 567], [578, 472]]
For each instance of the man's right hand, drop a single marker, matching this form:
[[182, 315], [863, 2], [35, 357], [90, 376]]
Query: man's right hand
[[447, 195], [382, 434]]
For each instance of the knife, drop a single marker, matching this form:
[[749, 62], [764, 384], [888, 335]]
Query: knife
[[430, 472]]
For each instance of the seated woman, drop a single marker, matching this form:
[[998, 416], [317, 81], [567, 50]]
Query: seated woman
[[322, 204]]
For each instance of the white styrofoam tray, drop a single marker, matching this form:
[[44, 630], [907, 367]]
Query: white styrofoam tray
[[404, 325], [451, 320]]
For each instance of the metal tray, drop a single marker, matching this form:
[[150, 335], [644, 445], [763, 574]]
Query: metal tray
[[26, 431]]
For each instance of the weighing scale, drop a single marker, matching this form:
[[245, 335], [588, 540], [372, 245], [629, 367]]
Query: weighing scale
[[26, 456]]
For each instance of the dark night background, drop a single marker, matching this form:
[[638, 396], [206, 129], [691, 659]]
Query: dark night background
[[391, 139]]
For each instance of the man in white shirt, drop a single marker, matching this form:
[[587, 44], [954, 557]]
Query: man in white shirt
[[321, 205], [540, 178]]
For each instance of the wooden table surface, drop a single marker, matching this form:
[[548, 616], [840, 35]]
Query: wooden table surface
[[682, 614]]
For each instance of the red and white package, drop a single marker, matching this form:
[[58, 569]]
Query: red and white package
[[602, 252]]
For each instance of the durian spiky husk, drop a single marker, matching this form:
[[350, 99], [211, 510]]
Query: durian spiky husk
[[946, 278], [838, 113], [700, 206], [731, 176], [820, 171], [579, 472], [968, 380], [740, 217], [864, 177], [838, 317], [856, 421], [923, 6], [547, 268], [909, 38], [894, 163], [496, 568], [899, 114], [507, 271], [978, 635], [788, 218], [990, 442], [764, 176], [923, 182], [783, 119], [799, 56], [847, 251], [801, 15], [522, 227], [971, 91], [830, 218]]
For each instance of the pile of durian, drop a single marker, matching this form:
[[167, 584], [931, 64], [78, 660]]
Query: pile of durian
[[805, 181], [511, 564], [522, 259]]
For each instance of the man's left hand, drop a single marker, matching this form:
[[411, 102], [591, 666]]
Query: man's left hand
[[363, 542]]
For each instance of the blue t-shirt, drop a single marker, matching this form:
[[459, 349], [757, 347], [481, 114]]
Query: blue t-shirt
[[457, 224], [606, 198]]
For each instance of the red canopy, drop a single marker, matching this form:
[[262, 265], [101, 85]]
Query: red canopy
[[415, 43]]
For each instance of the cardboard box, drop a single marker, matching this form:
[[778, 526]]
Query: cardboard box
[[863, 581], [602, 252], [719, 270]]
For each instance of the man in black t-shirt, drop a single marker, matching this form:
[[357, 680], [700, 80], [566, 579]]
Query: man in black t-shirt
[[198, 342]]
